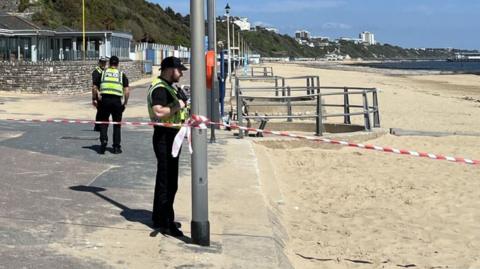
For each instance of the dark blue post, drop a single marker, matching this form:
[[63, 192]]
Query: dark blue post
[[221, 83]]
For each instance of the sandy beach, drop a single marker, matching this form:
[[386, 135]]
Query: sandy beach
[[349, 208]]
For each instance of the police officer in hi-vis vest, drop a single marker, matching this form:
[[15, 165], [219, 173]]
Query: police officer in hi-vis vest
[[164, 105], [110, 89], [96, 75]]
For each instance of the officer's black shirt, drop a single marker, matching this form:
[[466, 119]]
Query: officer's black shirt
[[161, 96], [96, 76]]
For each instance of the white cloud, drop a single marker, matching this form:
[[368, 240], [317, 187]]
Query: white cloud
[[336, 25]]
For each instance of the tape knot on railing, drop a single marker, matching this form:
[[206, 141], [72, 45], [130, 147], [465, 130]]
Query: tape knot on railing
[[195, 121]]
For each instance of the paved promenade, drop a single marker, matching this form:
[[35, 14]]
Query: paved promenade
[[65, 206]]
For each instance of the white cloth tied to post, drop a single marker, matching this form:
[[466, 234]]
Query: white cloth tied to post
[[195, 121]]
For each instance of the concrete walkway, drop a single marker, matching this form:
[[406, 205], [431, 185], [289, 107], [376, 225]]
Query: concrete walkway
[[65, 206]]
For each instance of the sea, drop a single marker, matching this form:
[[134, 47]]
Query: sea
[[433, 65]]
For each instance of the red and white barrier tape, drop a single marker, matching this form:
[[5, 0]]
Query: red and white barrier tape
[[195, 121], [128, 123], [202, 122]]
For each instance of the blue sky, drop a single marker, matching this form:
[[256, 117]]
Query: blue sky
[[408, 23]]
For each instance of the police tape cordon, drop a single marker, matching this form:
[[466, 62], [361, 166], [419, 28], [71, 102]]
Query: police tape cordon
[[201, 122]]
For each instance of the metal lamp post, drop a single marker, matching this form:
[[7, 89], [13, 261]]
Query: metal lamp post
[[200, 226], [229, 70], [233, 48], [83, 30]]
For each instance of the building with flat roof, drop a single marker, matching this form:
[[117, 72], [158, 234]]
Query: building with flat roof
[[302, 34], [367, 38], [22, 40], [353, 40], [243, 23]]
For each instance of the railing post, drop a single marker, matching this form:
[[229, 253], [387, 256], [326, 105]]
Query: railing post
[[346, 107], [312, 85], [318, 120], [276, 86], [376, 112], [289, 104], [239, 114], [308, 86], [366, 113]]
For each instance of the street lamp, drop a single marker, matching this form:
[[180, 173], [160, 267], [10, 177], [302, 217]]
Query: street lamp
[[83, 29], [200, 226], [227, 12]]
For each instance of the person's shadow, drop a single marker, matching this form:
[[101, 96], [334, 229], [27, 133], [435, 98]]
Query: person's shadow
[[133, 215], [95, 148]]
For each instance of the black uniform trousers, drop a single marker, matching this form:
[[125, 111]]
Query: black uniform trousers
[[166, 183], [97, 117], [110, 105]]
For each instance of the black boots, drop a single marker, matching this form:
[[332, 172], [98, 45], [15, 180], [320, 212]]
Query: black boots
[[171, 229], [103, 148], [117, 150]]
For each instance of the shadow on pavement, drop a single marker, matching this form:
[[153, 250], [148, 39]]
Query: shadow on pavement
[[95, 148], [133, 215]]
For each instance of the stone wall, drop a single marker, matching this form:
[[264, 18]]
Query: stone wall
[[56, 77]]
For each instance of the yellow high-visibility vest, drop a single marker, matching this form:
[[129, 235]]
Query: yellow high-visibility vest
[[112, 82], [178, 117], [99, 70]]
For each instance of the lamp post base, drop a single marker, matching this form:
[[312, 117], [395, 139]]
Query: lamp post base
[[200, 233]]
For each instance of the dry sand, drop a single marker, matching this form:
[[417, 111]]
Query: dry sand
[[348, 208]]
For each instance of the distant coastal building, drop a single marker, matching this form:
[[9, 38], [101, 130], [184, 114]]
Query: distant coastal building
[[367, 38], [303, 38], [22, 40], [243, 23], [349, 39], [306, 43], [334, 57], [320, 41], [302, 34], [465, 57]]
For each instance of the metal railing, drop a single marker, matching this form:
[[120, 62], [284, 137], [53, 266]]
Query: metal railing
[[313, 97], [260, 71], [311, 83]]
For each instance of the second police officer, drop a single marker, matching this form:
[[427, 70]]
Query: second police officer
[[110, 89]]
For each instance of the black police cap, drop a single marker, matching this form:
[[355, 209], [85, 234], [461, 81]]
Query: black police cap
[[172, 62], [114, 60]]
